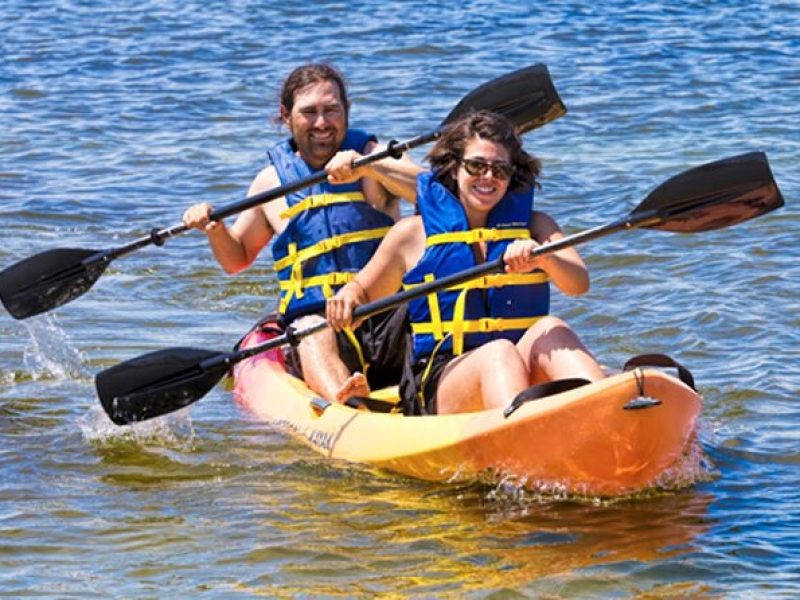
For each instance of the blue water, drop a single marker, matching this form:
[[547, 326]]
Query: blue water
[[114, 117]]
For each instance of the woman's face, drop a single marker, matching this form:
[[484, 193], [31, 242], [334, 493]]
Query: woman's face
[[480, 192]]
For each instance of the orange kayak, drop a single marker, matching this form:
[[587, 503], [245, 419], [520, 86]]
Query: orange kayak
[[586, 441]]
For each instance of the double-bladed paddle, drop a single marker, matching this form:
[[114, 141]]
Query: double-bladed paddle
[[712, 196], [42, 282]]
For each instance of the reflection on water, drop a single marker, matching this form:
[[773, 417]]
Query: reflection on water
[[289, 518], [429, 540]]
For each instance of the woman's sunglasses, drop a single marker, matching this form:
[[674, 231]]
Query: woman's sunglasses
[[477, 167]]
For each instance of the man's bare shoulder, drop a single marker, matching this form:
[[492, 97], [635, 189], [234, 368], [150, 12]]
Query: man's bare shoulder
[[267, 178]]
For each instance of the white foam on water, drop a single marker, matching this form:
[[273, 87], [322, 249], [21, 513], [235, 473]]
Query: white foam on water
[[174, 430]]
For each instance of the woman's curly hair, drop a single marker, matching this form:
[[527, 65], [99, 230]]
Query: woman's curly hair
[[447, 153]]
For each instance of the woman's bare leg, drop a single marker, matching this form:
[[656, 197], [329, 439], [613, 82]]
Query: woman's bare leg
[[551, 350], [487, 377]]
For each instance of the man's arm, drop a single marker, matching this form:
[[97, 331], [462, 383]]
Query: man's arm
[[384, 180], [236, 248], [397, 175]]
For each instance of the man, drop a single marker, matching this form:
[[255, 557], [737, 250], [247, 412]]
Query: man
[[323, 234]]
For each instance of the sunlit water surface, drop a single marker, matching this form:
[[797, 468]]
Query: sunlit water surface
[[115, 118]]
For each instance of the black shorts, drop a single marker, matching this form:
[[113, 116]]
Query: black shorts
[[383, 339], [419, 383]]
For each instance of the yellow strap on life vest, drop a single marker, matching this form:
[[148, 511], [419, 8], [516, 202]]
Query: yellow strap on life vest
[[433, 308], [425, 374], [459, 326], [294, 257], [353, 340], [485, 325], [458, 322], [319, 200], [295, 287], [490, 281], [478, 235]]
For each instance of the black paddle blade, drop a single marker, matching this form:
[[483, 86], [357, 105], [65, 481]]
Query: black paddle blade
[[158, 383], [527, 98], [49, 279], [714, 195]]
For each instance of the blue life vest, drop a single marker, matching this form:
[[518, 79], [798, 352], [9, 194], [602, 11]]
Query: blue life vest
[[501, 305], [331, 234]]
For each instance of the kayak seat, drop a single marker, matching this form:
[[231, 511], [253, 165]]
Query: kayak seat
[[542, 390], [266, 324]]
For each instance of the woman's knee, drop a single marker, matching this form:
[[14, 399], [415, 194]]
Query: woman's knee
[[500, 354], [307, 321], [548, 334], [500, 347], [547, 324]]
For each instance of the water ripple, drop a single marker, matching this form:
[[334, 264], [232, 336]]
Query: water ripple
[[115, 118]]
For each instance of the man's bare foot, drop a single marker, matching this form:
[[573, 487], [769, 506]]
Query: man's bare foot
[[355, 385]]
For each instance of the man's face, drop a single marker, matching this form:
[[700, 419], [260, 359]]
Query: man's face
[[317, 122]]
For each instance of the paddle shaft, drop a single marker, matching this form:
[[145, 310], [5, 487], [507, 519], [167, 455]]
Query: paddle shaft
[[159, 236], [527, 97], [709, 197], [373, 308]]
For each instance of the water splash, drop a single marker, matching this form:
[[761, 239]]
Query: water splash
[[50, 353], [174, 430], [693, 466]]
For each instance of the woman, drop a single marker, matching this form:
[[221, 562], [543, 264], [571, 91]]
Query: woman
[[477, 346]]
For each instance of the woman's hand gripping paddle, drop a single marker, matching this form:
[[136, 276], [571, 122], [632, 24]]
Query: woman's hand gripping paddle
[[712, 196]]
